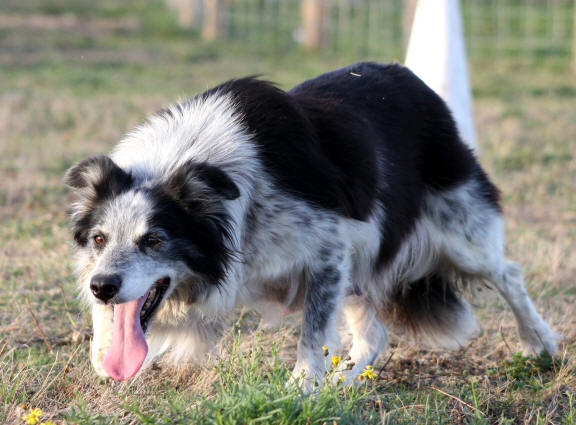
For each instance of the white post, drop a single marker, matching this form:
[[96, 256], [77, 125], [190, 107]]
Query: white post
[[213, 19], [437, 54], [312, 14], [186, 11]]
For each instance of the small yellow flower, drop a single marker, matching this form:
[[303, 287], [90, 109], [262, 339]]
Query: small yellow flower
[[335, 360], [325, 350], [23, 406], [368, 373], [33, 416], [340, 377], [48, 422]]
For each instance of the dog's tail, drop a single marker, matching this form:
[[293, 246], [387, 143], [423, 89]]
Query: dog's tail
[[433, 311]]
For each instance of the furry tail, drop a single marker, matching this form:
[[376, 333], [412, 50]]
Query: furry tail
[[433, 311]]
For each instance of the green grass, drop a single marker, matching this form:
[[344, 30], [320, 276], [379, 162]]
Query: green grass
[[68, 94], [249, 387]]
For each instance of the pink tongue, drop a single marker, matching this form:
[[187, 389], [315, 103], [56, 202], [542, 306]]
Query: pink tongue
[[128, 348]]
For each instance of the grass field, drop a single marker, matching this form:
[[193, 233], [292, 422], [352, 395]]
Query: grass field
[[72, 84]]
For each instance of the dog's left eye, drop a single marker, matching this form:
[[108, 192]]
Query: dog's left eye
[[151, 240]]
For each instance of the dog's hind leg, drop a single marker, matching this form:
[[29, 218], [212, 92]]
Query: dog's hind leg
[[102, 324], [369, 338], [473, 240], [326, 284], [535, 334]]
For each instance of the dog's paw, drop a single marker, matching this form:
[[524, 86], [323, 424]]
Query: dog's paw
[[303, 378], [536, 341], [347, 377]]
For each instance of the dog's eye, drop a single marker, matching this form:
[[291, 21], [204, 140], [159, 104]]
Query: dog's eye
[[99, 240], [151, 240]]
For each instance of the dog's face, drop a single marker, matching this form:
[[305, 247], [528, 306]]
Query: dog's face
[[144, 241]]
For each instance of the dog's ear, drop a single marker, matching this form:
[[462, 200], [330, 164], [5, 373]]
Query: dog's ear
[[218, 180], [192, 178], [97, 177]]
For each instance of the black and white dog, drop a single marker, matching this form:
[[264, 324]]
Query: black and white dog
[[350, 195]]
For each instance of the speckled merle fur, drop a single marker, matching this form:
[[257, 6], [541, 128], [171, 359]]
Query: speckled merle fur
[[350, 196]]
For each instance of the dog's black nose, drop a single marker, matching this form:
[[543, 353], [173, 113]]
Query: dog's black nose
[[105, 286]]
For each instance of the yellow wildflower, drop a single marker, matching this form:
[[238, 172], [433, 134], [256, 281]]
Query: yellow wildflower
[[33, 416], [325, 350], [368, 373], [340, 377], [48, 422], [335, 360]]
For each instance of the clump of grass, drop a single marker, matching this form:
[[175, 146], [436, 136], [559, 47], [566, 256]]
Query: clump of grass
[[522, 367], [531, 371]]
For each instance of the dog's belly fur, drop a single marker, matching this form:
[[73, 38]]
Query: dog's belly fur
[[349, 196]]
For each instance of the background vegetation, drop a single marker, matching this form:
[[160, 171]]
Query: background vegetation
[[76, 74]]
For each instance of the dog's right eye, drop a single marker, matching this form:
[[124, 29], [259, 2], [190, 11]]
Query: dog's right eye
[[151, 240], [99, 240]]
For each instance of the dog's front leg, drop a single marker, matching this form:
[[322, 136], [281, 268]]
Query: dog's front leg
[[322, 305], [102, 323]]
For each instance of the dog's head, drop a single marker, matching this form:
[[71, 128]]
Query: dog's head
[[144, 241]]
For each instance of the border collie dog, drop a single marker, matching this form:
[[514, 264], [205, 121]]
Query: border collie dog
[[351, 197]]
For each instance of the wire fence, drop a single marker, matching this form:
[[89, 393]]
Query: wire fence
[[532, 30], [350, 27]]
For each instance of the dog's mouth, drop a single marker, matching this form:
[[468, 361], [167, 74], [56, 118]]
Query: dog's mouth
[[128, 347], [153, 300]]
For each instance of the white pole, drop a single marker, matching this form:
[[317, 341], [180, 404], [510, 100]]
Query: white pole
[[437, 54]]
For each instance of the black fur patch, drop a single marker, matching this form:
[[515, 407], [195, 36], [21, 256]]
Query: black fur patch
[[198, 225], [95, 179], [100, 174], [432, 302], [197, 237], [81, 225], [193, 177], [320, 294]]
